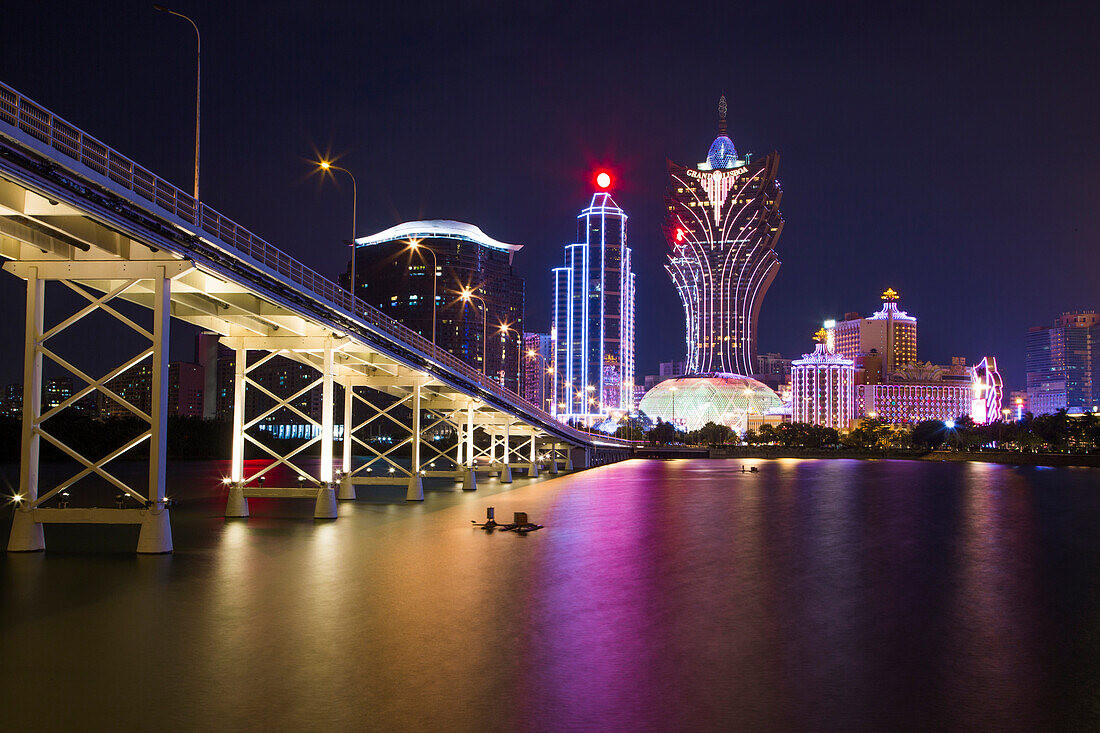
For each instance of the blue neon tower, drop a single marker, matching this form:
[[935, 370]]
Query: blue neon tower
[[593, 319]]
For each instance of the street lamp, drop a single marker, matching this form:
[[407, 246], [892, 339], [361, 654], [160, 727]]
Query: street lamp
[[414, 245], [198, 91], [326, 165], [466, 296]]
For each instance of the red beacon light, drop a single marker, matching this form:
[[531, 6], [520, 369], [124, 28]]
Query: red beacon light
[[679, 234], [603, 179]]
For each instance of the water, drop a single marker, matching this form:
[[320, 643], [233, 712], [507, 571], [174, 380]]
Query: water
[[663, 595]]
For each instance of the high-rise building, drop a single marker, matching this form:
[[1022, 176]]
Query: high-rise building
[[185, 389], [593, 320], [55, 391], [722, 222], [13, 401], [538, 371], [1063, 364], [401, 270], [888, 337], [823, 387]]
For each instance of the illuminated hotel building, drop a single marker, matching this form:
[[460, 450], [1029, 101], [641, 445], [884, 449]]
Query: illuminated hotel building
[[722, 222], [822, 387], [891, 333], [400, 280], [593, 320]]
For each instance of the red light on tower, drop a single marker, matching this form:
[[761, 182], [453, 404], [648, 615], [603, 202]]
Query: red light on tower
[[679, 234], [603, 179]]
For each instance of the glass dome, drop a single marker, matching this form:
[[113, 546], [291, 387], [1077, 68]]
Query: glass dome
[[727, 399], [722, 154]]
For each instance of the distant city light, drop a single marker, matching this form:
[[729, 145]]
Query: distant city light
[[950, 424]]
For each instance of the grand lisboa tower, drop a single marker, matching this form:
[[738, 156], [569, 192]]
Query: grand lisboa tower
[[722, 222]]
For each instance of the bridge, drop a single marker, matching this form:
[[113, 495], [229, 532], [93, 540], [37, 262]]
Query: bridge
[[77, 212]]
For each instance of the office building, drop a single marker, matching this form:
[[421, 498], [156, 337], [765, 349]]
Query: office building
[[538, 370], [593, 318], [1063, 364], [722, 223], [459, 276]]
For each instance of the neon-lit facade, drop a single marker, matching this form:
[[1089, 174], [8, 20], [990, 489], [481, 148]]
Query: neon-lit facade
[[988, 391], [823, 387], [593, 320], [914, 403], [722, 222], [943, 399]]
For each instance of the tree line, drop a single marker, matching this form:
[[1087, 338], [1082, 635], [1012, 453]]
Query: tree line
[[1055, 433]]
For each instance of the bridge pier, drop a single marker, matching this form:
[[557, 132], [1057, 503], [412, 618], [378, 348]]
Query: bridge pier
[[347, 488], [506, 472], [554, 458], [32, 509], [533, 471]]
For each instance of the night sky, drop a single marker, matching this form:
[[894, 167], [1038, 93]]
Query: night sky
[[948, 152]]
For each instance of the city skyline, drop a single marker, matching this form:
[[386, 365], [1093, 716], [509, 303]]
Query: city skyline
[[870, 201]]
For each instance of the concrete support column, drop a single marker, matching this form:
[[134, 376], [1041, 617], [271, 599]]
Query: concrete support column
[[326, 418], [506, 472], [240, 366], [470, 436], [458, 444], [553, 458], [568, 457], [416, 485], [26, 534], [156, 530], [533, 472], [347, 488]]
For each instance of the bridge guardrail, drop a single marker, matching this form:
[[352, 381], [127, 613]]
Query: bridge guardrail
[[38, 122]]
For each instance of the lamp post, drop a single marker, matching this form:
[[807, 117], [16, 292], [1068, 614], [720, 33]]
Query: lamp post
[[466, 296], [198, 91], [414, 245], [328, 166]]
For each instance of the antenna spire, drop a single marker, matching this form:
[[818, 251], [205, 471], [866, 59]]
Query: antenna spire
[[722, 115]]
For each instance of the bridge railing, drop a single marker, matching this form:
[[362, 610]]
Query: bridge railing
[[41, 124]]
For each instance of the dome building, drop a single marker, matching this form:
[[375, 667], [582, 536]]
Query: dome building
[[690, 402]]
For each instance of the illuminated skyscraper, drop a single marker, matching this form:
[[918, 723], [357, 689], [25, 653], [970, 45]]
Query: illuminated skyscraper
[[593, 320], [722, 221]]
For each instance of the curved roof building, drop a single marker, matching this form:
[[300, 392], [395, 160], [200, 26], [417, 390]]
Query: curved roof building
[[693, 401], [722, 222], [413, 271]]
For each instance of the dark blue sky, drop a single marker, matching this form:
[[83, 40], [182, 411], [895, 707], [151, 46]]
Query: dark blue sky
[[948, 151]]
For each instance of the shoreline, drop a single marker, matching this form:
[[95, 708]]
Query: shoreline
[[1079, 460]]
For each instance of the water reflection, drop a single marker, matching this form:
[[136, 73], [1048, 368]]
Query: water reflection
[[662, 595]]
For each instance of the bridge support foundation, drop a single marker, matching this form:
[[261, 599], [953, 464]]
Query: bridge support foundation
[[325, 507], [155, 536], [26, 534], [469, 480], [236, 505]]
